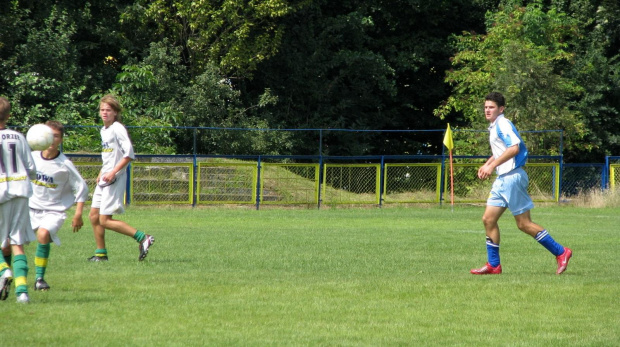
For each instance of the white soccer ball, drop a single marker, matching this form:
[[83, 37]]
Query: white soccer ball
[[39, 137]]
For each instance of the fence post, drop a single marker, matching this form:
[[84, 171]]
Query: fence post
[[258, 163], [321, 142], [605, 174], [559, 185], [195, 180], [128, 185], [195, 168], [442, 180], [381, 180], [320, 168]]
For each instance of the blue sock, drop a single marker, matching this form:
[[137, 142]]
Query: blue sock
[[492, 252], [549, 243]]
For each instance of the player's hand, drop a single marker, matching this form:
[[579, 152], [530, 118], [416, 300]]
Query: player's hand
[[485, 172], [77, 224], [108, 176]]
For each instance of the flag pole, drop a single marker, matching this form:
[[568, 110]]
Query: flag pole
[[451, 183], [449, 143]]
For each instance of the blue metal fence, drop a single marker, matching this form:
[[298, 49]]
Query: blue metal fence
[[544, 146]]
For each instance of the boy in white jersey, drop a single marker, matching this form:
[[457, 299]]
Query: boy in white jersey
[[509, 189], [116, 154], [17, 168], [57, 187]]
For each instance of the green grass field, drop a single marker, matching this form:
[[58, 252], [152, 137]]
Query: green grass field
[[332, 277]]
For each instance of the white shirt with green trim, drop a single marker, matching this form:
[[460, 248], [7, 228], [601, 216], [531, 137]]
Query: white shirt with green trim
[[58, 184]]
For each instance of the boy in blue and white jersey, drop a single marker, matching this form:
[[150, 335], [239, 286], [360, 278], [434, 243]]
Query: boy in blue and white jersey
[[57, 187], [17, 168], [503, 135], [509, 189]]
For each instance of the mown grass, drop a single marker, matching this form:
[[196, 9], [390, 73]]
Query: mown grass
[[331, 277]]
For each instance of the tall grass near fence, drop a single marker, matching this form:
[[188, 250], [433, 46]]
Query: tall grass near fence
[[333, 277], [595, 198]]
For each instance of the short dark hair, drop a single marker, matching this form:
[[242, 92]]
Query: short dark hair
[[497, 98], [54, 124], [5, 109]]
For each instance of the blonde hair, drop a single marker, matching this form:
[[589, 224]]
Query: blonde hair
[[113, 102]]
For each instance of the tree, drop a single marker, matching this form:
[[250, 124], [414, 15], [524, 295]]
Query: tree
[[235, 35], [362, 65], [526, 54], [597, 69], [38, 66], [56, 54], [157, 92]]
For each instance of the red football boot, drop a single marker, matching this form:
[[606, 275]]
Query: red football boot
[[563, 260], [487, 269]]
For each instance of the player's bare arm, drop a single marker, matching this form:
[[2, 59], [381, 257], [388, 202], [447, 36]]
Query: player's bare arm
[[487, 169], [78, 222], [111, 175]]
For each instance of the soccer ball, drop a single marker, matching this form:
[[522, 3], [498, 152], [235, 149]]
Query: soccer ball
[[39, 137]]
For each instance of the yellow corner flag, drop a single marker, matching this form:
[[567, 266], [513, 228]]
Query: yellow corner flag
[[447, 139]]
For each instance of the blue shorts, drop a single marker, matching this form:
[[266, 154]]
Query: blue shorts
[[510, 190]]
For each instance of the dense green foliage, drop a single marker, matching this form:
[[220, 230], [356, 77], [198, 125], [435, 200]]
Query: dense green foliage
[[550, 67], [409, 64]]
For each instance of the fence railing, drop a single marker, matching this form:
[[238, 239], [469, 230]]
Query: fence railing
[[330, 181], [187, 140]]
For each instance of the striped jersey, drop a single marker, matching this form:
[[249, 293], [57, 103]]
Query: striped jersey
[[503, 134], [58, 184], [115, 145], [16, 166]]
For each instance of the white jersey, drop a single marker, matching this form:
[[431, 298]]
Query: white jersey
[[58, 184], [115, 145], [16, 166], [503, 134]]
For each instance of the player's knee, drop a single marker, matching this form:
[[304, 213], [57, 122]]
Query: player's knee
[[104, 221], [525, 226], [93, 217], [487, 221], [43, 235]]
